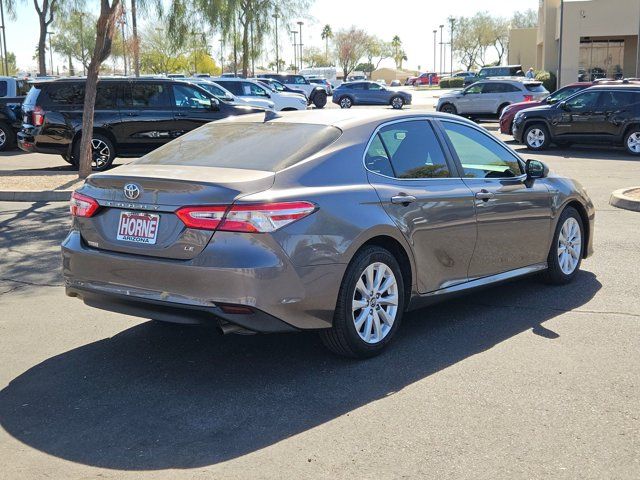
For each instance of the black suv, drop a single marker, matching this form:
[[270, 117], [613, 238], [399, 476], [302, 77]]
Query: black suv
[[133, 116], [601, 114]]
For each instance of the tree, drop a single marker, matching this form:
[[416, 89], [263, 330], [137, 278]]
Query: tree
[[315, 58], [526, 19], [75, 37], [11, 61], [377, 50], [105, 29], [399, 54], [272, 65], [500, 34], [159, 53], [326, 35], [350, 48]]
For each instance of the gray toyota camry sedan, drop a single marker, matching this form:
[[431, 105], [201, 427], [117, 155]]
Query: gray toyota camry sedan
[[335, 220]]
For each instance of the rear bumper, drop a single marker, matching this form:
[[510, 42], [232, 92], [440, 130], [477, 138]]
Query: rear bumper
[[506, 123], [29, 142], [231, 270]]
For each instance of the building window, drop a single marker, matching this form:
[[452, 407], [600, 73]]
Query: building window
[[601, 59]]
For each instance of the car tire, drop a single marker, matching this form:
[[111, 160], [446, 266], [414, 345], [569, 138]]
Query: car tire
[[397, 103], [449, 108], [70, 159], [99, 143], [346, 102], [567, 248], [320, 99], [536, 137], [7, 137], [632, 141], [501, 108], [366, 318]]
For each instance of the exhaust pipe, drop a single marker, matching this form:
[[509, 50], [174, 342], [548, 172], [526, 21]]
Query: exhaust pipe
[[226, 328]]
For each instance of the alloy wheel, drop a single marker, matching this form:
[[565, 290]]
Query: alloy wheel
[[535, 138], [100, 153], [375, 303], [345, 102], [397, 102], [3, 138], [569, 246], [633, 142]]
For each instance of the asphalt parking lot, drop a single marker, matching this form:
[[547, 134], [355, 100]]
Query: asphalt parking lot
[[521, 380]]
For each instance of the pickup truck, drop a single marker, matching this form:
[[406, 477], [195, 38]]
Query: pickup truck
[[315, 94], [10, 121]]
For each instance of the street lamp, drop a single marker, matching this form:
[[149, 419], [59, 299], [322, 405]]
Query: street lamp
[[51, 52], [435, 32], [301, 51], [452, 21], [295, 49], [441, 47], [275, 17], [124, 45], [4, 40]]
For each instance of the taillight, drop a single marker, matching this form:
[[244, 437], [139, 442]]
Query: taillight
[[528, 98], [252, 218], [37, 116], [82, 206]]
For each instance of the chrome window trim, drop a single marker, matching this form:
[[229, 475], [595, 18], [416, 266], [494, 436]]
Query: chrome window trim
[[402, 120]]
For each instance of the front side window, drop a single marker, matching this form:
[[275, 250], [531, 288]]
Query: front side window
[[374, 86], [190, 98], [150, 95], [475, 88], [480, 155], [299, 80], [412, 149], [584, 101], [564, 93], [252, 90], [277, 86]]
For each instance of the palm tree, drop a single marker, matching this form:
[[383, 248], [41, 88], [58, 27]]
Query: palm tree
[[326, 34], [396, 43]]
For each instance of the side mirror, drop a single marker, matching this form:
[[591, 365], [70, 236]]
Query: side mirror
[[215, 105], [564, 106], [536, 169], [551, 100]]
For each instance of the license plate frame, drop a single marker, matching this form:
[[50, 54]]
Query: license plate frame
[[138, 227]]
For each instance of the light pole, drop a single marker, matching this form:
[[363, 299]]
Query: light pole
[[295, 49], [441, 47], [253, 52], [4, 40], [124, 45], [275, 17], [301, 51], [221, 55], [51, 52], [452, 21], [435, 32]]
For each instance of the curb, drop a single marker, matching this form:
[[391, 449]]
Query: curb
[[621, 200], [35, 195]]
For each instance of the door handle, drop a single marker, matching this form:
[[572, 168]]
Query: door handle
[[181, 114], [403, 199], [485, 195], [132, 114]]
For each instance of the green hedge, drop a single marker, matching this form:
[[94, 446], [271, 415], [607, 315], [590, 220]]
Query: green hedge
[[452, 82], [548, 80]]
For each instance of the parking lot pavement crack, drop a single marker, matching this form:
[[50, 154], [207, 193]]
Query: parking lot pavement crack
[[561, 310], [32, 284]]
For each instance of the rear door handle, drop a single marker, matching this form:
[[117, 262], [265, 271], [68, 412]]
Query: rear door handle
[[485, 195], [403, 199]]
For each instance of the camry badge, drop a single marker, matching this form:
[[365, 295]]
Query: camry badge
[[131, 191]]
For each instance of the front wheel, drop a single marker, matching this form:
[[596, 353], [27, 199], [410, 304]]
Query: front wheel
[[345, 102], [536, 137], [320, 99], [566, 250], [397, 103], [632, 141], [369, 307], [448, 108]]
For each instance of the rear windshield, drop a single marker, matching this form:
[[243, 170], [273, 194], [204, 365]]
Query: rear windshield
[[266, 146], [535, 87]]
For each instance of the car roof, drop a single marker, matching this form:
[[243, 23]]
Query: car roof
[[616, 86], [518, 80], [343, 118]]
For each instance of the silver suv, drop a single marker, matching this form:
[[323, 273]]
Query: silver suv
[[490, 97]]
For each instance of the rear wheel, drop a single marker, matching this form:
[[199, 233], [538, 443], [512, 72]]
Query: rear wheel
[[320, 99], [566, 250], [397, 103], [449, 108], [7, 137], [369, 307], [346, 102], [632, 141], [536, 137], [501, 108], [102, 152]]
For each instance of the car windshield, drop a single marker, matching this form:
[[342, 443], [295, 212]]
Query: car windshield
[[234, 145]]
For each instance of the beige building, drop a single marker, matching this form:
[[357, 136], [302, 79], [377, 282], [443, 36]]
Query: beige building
[[583, 39]]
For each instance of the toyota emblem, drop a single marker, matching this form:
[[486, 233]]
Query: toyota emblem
[[131, 191]]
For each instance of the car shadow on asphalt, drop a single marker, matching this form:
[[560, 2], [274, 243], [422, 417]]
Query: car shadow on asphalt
[[161, 396]]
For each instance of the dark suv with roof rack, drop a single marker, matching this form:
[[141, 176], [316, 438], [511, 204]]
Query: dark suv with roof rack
[[133, 116], [608, 114]]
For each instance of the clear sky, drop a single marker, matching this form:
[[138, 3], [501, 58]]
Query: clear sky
[[414, 22]]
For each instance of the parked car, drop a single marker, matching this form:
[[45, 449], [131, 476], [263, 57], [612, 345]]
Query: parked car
[[426, 206], [509, 112], [316, 95], [423, 79], [394, 83], [607, 114], [469, 77], [369, 93], [225, 95], [133, 116], [281, 87], [382, 81], [11, 87], [10, 121], [323, 82], [490, 97], [251, 89], [504, 71]]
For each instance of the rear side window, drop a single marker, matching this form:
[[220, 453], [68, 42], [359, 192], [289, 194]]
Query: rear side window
[[535, 87], [65, 94], [270, 146], [412, 149], [234, 87], [107, 95], [3, 88], [150, 95], [32, 96], [565, 93]]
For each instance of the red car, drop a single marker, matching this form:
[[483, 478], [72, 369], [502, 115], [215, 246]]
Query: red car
[[423, 79], [506, 118]]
